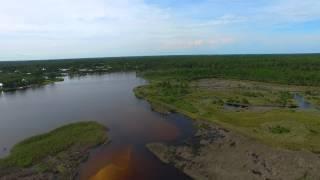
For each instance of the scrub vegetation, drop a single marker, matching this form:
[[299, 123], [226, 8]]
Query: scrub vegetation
[[300, 69], [57, 150], [264, 111]]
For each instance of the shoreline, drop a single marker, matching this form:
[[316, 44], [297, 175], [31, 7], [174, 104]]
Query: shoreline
[[61, 163], [219, 152], [286, 128], [21, 88]]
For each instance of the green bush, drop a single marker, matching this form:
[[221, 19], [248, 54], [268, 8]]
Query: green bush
[[279, 130]]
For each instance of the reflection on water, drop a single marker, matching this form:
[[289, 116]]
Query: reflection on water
[[119, 168], [302, 103], [109, 100], [126, 159]]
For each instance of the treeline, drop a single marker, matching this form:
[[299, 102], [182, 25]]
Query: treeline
[[286, 69], [301, 69]]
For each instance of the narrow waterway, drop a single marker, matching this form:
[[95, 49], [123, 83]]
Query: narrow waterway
[[108, 99], [302, 103]]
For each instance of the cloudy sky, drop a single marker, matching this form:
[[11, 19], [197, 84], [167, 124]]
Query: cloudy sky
[[49, 29]]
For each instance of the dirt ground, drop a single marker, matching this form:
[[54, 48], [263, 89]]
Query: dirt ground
[[216, 153], [227, 84], [63, 166]]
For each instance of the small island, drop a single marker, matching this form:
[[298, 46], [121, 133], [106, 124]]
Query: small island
[[53, 155]]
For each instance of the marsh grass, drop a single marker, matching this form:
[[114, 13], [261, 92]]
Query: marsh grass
[[34, 149], [279, 130], [277, 126]]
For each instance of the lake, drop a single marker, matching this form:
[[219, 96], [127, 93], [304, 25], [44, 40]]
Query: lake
[[108, 99]]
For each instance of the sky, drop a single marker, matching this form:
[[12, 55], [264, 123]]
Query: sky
[[54, 29]]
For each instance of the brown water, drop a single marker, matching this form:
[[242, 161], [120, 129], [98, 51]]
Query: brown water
[[109, 100]]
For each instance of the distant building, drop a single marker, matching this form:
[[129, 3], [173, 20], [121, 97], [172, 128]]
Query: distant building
[[64, 70], [83, 70], [99, 67]]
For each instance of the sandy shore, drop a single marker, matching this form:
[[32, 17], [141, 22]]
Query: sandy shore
[[216, 153]]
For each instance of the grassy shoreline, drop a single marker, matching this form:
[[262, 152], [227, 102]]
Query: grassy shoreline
[[287, 128], [46, 82], [256, 142], [224, 154], [297, 69], [57, 153]]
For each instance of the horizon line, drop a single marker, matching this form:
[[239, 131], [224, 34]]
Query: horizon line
[[144, 56]]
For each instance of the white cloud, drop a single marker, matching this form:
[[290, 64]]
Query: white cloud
[[294, 10], [75, 16], [78, 28], [184, 44], [64, 28]]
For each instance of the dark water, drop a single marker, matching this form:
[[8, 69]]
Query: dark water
[[109, 100]]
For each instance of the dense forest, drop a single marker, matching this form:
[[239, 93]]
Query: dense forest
[[299, 69]]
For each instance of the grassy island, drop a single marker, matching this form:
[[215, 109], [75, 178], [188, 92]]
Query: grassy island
[[61, 150]]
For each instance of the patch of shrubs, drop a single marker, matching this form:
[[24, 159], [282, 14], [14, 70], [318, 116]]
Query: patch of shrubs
[[279, 130]]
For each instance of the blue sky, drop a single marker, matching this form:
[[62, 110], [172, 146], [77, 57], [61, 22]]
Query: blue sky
[[50, 29]]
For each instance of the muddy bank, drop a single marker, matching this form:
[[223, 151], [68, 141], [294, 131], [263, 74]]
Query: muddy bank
[[53, 155], [216, 153], [63, 166]]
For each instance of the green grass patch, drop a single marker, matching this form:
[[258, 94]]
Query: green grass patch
[[279, 130], [34, 149], [266, 119]]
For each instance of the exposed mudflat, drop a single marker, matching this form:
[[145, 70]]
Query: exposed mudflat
[[63, 166], [216, 153]]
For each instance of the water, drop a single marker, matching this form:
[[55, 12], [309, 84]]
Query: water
[[109, 100], [302, 103]]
